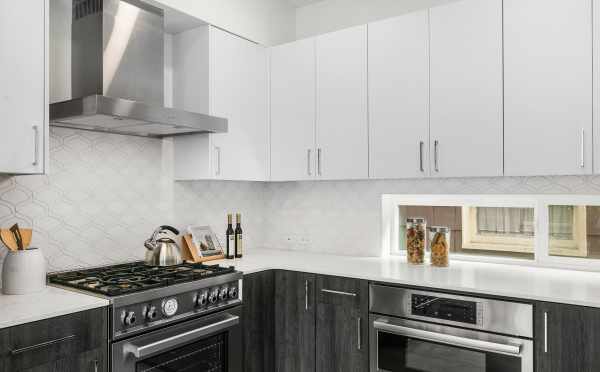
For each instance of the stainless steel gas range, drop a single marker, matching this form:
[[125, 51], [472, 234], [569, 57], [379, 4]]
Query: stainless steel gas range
[[179, 318]]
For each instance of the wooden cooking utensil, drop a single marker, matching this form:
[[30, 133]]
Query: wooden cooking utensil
[[8, 239], [17, 235]]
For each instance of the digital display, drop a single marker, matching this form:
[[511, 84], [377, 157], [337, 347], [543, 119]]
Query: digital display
[[444, 308]]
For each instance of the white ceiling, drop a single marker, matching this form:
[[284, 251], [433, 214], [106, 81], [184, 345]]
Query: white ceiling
[[301, 3]]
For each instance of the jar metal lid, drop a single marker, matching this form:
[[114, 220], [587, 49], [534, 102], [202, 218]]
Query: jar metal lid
[[440, 229], [415, 220]]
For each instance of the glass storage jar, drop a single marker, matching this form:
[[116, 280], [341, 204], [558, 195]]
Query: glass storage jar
[[415, 240], [439, 245]]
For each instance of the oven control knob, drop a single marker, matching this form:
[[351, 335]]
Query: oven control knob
[[169, 306], [214, 295], [233, 293], [202, 299], [224, 293], [129, 318], [151, 314]]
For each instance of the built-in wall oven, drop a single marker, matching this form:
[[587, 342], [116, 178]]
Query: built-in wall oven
[[207, 344], [412, 330]]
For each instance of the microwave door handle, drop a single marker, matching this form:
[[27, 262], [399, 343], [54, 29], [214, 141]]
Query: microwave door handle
[[142, 351], [470, 343]]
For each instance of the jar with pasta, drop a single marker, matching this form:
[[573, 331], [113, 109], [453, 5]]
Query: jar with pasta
[[415, 240], [439, 245]]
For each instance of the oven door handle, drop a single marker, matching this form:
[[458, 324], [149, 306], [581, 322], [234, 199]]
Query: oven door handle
[[142, 351], [443, 338]]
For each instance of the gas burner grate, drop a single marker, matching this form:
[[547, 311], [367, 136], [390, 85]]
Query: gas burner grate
[[133, 277]]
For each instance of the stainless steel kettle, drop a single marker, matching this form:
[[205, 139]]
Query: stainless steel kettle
[[163, 250]]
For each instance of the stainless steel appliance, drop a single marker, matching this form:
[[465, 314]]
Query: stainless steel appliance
[[413, 330], [107, 71], [178, 318], [162, 250]]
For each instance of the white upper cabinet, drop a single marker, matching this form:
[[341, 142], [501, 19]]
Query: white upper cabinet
[[292, 94], [235, 72], [399, 96], [548, 87], [596, 84], [238, 92], [342, 127], [466, 89], [23, 86]]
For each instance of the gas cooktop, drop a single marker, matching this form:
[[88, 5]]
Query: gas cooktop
[[117, 280]]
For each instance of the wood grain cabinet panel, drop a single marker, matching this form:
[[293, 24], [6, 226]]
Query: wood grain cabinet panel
[[342, 325], [74, 342], [259, 331], [294, 322], [567, 338]]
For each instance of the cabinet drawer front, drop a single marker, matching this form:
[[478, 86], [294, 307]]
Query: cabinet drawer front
[[41, 342], [342, 291]]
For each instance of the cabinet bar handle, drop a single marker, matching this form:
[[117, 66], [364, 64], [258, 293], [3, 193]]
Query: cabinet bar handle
[[308, 167], [421, 144], [306, 294], [359, 333], [338, 292], [582, 163], [545, 332], [319, 170], [36, 145], [41, 345], [218, 151], [436, 144]]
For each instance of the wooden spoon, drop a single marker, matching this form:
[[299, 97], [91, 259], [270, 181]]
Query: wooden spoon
[[7, 237]]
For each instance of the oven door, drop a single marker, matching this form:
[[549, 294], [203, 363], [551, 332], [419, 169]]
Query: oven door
[[399, 345], [212, 343]]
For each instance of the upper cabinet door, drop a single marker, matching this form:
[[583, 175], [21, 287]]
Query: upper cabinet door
[[23, 97], [548, 87], [238, 91], [342, 129], [292, 94], [466, 89], [399, 96]]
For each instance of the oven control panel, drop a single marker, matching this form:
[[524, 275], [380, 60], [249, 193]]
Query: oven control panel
[[444, 308], [159, 311]]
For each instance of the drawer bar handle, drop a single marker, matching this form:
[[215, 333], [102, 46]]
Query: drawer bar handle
[[41, 345], [338, 292]]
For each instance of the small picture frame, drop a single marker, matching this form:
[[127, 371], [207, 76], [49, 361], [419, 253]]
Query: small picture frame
[[205, 241]]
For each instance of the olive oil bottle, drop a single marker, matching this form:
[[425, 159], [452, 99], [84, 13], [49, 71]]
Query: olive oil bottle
[[239, 250], [230, 238]]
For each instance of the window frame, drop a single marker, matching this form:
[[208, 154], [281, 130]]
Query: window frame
[[473, 241], [390, 226]]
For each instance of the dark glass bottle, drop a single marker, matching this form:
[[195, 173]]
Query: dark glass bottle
[[230, 238], [239, 250]]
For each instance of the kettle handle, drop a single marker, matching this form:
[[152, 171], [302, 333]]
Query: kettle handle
[[170, 228]]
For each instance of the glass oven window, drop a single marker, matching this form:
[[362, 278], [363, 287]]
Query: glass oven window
[[208, 355], [403, 354]]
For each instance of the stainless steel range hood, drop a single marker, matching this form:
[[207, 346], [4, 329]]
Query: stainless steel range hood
[[107, 71]]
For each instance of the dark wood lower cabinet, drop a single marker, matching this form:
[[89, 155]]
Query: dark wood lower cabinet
[[567, 338], [342, 325], [258, 318], [72, 343], [294, 322]]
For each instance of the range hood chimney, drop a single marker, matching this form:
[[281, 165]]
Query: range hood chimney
[[107, 71]]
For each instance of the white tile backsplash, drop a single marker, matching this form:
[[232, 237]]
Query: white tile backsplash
[[104, 194]]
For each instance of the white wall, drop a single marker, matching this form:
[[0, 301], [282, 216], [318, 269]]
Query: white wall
[[332, 15], [267, 22]]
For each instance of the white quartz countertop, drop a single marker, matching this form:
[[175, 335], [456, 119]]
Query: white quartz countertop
[[49, 303], [524, 282]]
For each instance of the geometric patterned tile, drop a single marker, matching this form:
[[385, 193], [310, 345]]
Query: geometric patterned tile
[[106, 193]]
